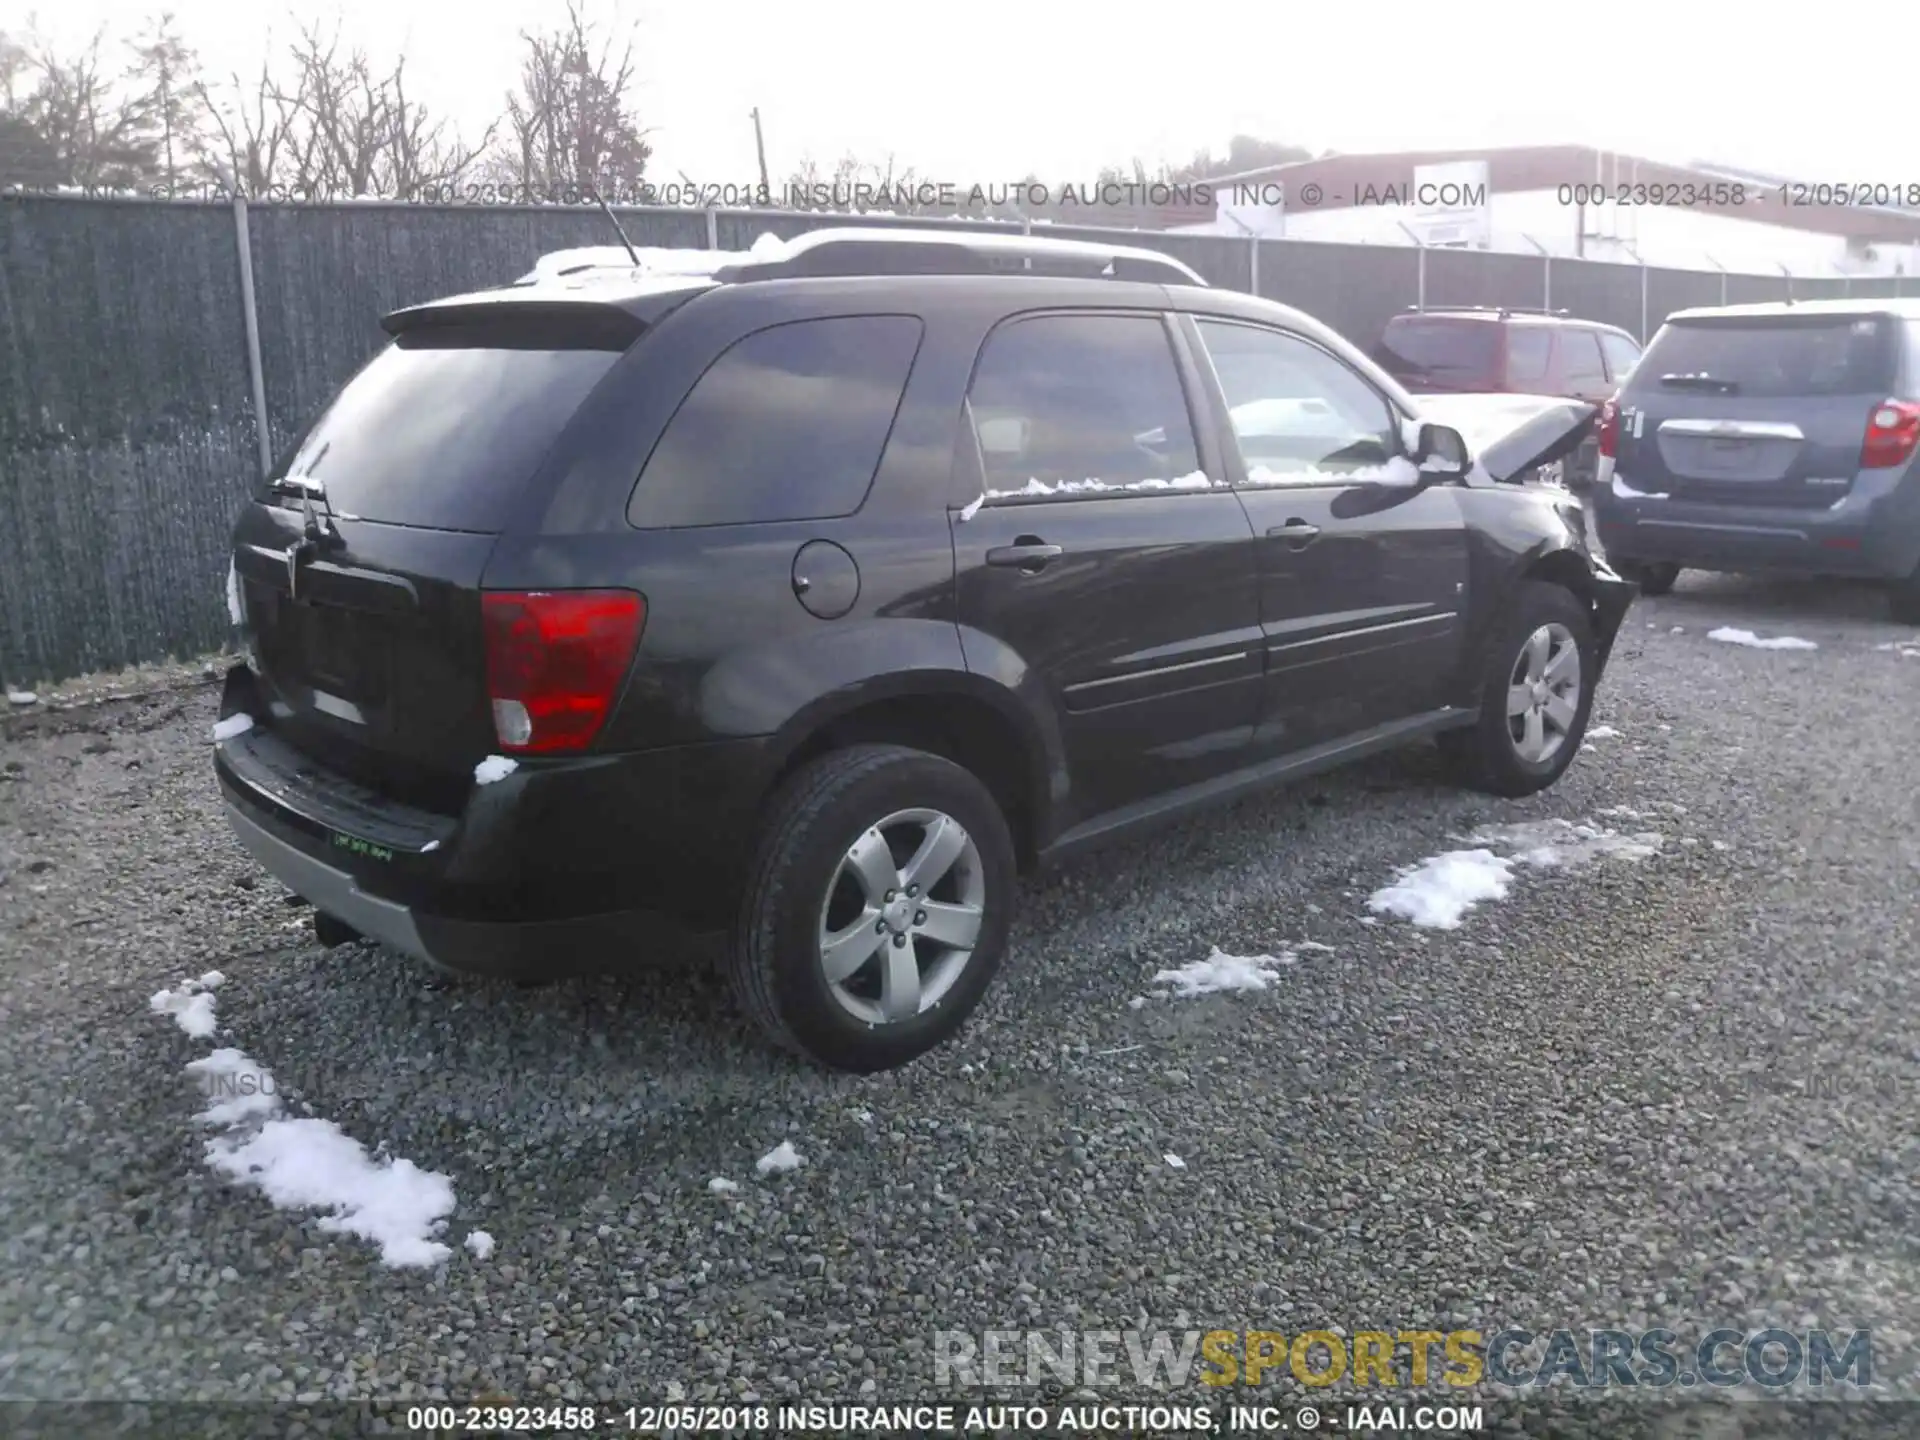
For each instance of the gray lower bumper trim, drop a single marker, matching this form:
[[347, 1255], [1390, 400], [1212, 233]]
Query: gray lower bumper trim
[[330, 890]]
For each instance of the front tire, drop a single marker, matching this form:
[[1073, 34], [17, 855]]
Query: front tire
[[1537, 692], [1654, 580], [877, 907]]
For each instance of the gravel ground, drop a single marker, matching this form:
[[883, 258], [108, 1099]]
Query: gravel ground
[[1673, 1091]]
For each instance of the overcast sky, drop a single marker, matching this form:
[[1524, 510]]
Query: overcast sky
[[993, 89]]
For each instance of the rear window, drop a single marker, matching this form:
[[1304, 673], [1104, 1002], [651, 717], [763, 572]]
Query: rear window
[[1441, 349], [444, 428], [788, 424], [1777, 357]]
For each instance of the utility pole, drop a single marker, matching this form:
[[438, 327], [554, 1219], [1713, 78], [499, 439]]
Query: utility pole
[[760, 147]]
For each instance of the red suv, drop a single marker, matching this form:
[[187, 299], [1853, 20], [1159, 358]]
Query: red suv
[[1509, 352]]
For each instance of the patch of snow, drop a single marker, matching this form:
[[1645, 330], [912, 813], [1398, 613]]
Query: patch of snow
[[479, 1244], [311, 1164], [1174, 1160], [1314, 945], [233, 594], [1556, 844], [1906, 650], [21, 697], [1602, 732], [191, 1007], [494, 767], [1222, 972], [1397, 471], [1438, 892], [231, 726], [972, 508], [1369, 919], [1627, 492], [781, 1158], [1752, 641], [720, 1185], [654, 260], [1678, 630], [429, 847], [865, 1117], [1138, 1002], [212, 980]]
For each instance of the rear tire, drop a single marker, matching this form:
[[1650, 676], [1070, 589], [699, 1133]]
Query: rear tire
[[1903, 600], [1526, 668], [833, 956], [1654, 580]]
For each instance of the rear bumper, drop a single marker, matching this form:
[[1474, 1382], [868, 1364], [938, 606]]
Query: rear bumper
[[1872, 533], [561, 867]]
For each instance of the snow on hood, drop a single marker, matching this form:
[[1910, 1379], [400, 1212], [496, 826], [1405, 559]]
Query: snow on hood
[[654, 260]]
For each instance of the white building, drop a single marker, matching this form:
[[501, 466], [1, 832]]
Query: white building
[[1576, 202]]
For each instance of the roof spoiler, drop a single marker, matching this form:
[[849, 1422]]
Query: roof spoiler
[[572, 322]]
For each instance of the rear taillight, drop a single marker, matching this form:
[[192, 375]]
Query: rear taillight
[[555, 663], [1610, 427], [1893, 433]]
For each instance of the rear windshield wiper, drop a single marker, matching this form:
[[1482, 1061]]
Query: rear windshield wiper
[[1700, 382]]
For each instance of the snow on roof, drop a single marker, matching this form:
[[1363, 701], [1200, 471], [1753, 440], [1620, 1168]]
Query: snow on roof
[[654, 260]]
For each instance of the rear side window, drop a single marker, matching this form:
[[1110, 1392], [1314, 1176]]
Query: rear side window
[[1458, 351], [444, 428], [1581, 364], [1774, 356], [1622, 355], [788, 424], [1529, 357], [1071, 398]]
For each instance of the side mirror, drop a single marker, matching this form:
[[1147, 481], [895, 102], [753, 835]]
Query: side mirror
[[1441, 452]]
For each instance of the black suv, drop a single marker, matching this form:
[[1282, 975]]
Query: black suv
[[818, 596]]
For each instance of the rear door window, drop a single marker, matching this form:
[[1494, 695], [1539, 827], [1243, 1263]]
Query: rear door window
[[788, 424], [1622, 356], [445, 428], [1067, 399], [1581, 365], [1774, 356], [1447, 351], [1529, 357]]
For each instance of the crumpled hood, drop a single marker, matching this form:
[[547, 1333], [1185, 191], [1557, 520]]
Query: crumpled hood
[[1508, 435]]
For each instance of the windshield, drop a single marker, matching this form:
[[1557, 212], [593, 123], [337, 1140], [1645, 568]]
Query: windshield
[[1441, 349], [1789, 356]]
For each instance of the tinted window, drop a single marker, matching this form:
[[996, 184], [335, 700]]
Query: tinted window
[[1458, 351], [788, 424], [1529, 357], [1582, 367], [1622, 355], [442, 431], [1817, 355], [1296, 409], [1069, 398]]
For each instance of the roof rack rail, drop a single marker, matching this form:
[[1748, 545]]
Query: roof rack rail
[[874, 251], [1501, 310]]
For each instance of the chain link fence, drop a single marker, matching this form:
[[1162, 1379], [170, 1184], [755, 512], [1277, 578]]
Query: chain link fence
[[142, 363]]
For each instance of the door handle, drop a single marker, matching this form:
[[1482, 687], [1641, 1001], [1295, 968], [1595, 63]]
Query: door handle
[[1296, 530], [1026, 553]]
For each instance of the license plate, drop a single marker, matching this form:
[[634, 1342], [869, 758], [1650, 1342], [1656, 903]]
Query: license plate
[[354, 845]]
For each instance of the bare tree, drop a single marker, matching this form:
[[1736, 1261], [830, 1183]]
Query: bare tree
[[331, 126], [163, 103], [96, 138], [256, 145], [570, 123]]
